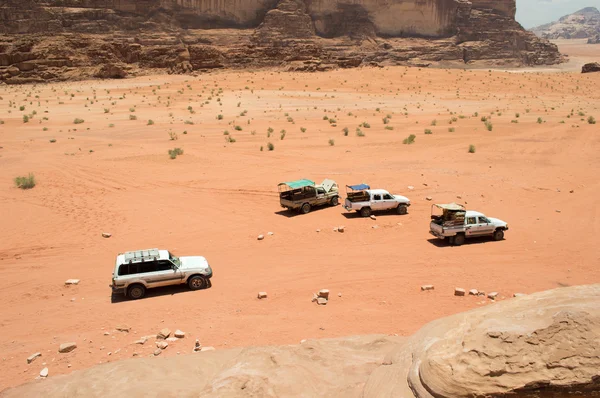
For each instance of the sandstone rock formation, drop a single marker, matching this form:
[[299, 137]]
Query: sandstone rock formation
[[69, 39], [540, 345], [591, 67], [583, 24]]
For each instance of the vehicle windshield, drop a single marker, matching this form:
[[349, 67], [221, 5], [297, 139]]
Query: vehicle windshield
[[175, 260]]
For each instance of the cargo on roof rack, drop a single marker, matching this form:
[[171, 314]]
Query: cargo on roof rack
[[141, 255]]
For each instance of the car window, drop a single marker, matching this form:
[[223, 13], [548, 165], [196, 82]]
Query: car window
[[127, 269], [165, 265], [471, 220], [387, 196], [147, 266], [376, 197], [320, 191], [483, 220]]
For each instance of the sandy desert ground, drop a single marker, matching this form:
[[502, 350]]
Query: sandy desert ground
[[113, 174]]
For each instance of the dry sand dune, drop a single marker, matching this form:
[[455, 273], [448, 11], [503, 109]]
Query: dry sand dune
[[542, 178]]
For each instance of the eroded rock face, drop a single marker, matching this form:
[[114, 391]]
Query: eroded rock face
[[591, 67], [542, 345], [72, 39], [582, 24]]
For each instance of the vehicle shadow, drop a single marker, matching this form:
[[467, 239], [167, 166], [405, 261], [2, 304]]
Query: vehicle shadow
[[355, 214], [157, 292], [471, 241], [292, 213]]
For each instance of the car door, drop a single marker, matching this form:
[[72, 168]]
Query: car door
[[161, 273], [377, 202], [321, 199], [389, 202], [471, 227], [484, 226]]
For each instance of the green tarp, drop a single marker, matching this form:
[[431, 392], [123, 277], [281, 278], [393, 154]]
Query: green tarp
[[299, 184]]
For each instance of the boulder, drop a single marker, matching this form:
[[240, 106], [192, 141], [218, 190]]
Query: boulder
[[67, 347], [163, 334], [179, 334], [162, 344], [591, 67], [44, 372], [324, 293], [33, 357], [262, 295], [72, 282], [427, 287], [459, 291]]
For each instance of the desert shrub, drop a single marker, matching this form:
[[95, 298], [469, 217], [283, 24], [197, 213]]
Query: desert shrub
[[409, 140], [25, 182], [331, 142], [386, 120], [359, 132], [150, 122], [230, 139], [517, 115], [53, 140], [238, 128], [514, 121], [270, 146], [188, 122], [173, 153], [261, 148], [489, 126], [303, 129], [427, 131], [225, 132], [22, 108], [540, 120], [434, 122], [325, 117], [219, 117], [78, 121], [591, 120], [451, 129], [366, 125], [471, 148], [484, 119], [25, 118], [389, 128], [106, 110], [132, 117], [282, 134], [173, 136], [346, 131], [131, 109]]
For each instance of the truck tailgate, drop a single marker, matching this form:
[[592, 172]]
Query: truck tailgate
[[348, 204], [435, 227]]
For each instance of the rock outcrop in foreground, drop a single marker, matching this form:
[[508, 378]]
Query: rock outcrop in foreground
[[70, 39], [543, 345], [583, 24]]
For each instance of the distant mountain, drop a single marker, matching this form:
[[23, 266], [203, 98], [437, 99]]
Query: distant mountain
[[584, 24]]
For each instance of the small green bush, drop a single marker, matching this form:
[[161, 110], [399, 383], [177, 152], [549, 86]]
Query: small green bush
[[359, 132], [219, 117], [346, 131], [471, 148], [331, 142], [173, 136], [238, 128], [451, 129], [282, 134], [132, 117], [150, 122], [389, 128], [366, 125], [591, 120], [489, 126], [173, 153], [409, 140], [303, 129], [25, 182], [270, 146], [427, 131], [540, 120], [78, 121], [25, 119], [434, 122], [53, 140]]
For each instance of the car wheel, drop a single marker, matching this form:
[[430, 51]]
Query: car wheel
[[451, 240], [365, 211], [335, 201], [136, 292], [305, 209], [197, 282], [499, 234], [402, 210], [459, 240]]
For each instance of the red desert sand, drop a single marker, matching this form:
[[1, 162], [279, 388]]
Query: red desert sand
[[537, 169]]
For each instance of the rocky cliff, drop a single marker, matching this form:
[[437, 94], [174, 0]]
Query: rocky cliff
[[65, 39], [584, 24], [543, 345]]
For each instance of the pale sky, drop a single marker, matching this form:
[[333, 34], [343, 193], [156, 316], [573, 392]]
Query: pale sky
[[531, 13]]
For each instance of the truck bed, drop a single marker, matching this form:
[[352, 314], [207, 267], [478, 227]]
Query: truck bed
[[360, 196]]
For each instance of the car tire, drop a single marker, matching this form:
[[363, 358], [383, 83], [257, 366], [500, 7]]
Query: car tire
[[305, 209], [498, 234], [335, 201], [459, 240], [197, 282], [451, 240], [365, 211], [402, 210], [136, 292]]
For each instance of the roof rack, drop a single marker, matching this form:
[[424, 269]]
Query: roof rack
[[141, 255]]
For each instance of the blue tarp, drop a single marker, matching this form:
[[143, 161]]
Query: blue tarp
[[359, 187]]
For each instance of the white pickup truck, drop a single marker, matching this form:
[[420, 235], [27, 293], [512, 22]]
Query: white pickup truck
[[456, 224], [364, 200]]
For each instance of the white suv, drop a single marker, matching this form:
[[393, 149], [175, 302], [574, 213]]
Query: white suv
[[137, 271]]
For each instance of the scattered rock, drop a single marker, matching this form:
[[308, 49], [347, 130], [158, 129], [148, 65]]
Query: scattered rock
[[335, 229], [179, 334], [473, 292], [340, 229], [44, 372], [122, 328], [481, 293], [106, 334], [141, 341], [157, 352], [260, 237], [163, 334], [339, 294], [519, 295], [110, 71], [106, 235], [411, 187], [171, 339], [33, 357], [197, 346], [207, 349], [427, 287], [324, 293], [262, 295], [318, 230], [375, 226], [372, 217], [67, 347], [270, 233], [321, 301], [162, 344], [459, 292], [72, 282], [493, 295], [591, 67], [429, 198]]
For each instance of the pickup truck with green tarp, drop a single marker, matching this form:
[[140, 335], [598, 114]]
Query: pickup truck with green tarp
[[303, 195]]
